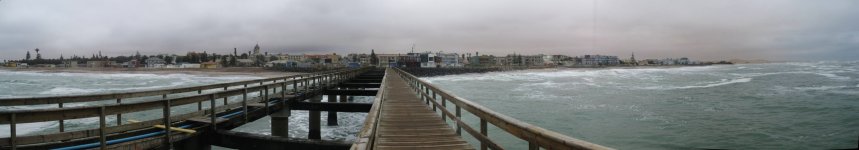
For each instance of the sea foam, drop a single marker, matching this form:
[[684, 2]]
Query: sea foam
[[711, 84]]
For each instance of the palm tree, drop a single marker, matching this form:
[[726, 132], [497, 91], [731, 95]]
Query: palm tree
[[38, 56]]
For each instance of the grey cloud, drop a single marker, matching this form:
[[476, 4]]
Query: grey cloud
[[702, 29]]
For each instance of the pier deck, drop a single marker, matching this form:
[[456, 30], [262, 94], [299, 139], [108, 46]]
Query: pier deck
[[405, 122]]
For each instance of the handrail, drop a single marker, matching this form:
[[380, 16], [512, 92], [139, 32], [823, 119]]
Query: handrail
[[367, 135], [14, 117], [131, 94], [537, 137]]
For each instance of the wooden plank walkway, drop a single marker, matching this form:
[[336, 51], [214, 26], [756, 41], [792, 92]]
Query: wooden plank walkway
[[407, 123]]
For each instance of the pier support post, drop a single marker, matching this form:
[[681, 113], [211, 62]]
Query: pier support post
[[199, 142], [280, 123], [332, 115], [315, 121]]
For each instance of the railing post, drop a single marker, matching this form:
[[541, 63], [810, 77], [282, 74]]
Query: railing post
[[426, 97], [306, 86], [483, 145], [283, 94], [443, 106], [213, 114], [458, 116], [102, 137], [265, 99], [245, 104], [310, 83], [294, 85], [119, 115], [200, 103], [12, 131], [167, 140], [260, 95], [225, 98], [433, 105], [62, 123], [533, 146]]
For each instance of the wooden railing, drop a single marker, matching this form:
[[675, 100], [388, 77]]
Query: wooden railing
[[60, 100], [367, 135], [14, 117], [536, 137]]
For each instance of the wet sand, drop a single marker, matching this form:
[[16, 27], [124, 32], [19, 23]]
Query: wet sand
[[232, 71]]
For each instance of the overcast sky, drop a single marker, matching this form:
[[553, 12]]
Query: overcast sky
[[699, 29]]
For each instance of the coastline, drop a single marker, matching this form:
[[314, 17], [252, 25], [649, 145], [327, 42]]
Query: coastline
[[430, 72], [232, 71]]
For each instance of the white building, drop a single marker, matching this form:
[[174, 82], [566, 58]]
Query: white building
[[532, 60], [560, 60], [155, 62], [547, 61], [599, 60], [189, 65], [427, 60], [449, 60]]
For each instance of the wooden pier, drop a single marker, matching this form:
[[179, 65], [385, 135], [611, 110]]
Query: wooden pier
[[405, 122], [406, 113]]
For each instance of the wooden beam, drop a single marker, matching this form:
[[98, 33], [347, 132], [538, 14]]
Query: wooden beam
[[351, 92], [327, 106], [360, 85], [365, 81], [240, 140]]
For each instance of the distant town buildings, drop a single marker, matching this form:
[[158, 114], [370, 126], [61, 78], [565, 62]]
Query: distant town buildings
[[599, 60], [257, 58], [155, 62]]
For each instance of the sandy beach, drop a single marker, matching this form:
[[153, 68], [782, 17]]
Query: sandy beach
[[232, 71]]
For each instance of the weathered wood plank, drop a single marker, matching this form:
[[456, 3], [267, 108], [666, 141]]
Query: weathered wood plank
[[406, 123]]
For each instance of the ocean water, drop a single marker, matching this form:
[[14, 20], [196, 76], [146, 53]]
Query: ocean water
[[808, 105], [804, 105], [36, 84]]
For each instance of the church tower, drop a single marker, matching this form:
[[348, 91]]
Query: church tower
[[256, 50]]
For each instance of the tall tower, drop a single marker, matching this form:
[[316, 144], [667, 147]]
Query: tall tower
[[633, 59], [256, 49]]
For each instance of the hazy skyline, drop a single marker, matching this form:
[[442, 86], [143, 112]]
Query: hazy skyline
[[700, 29]]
